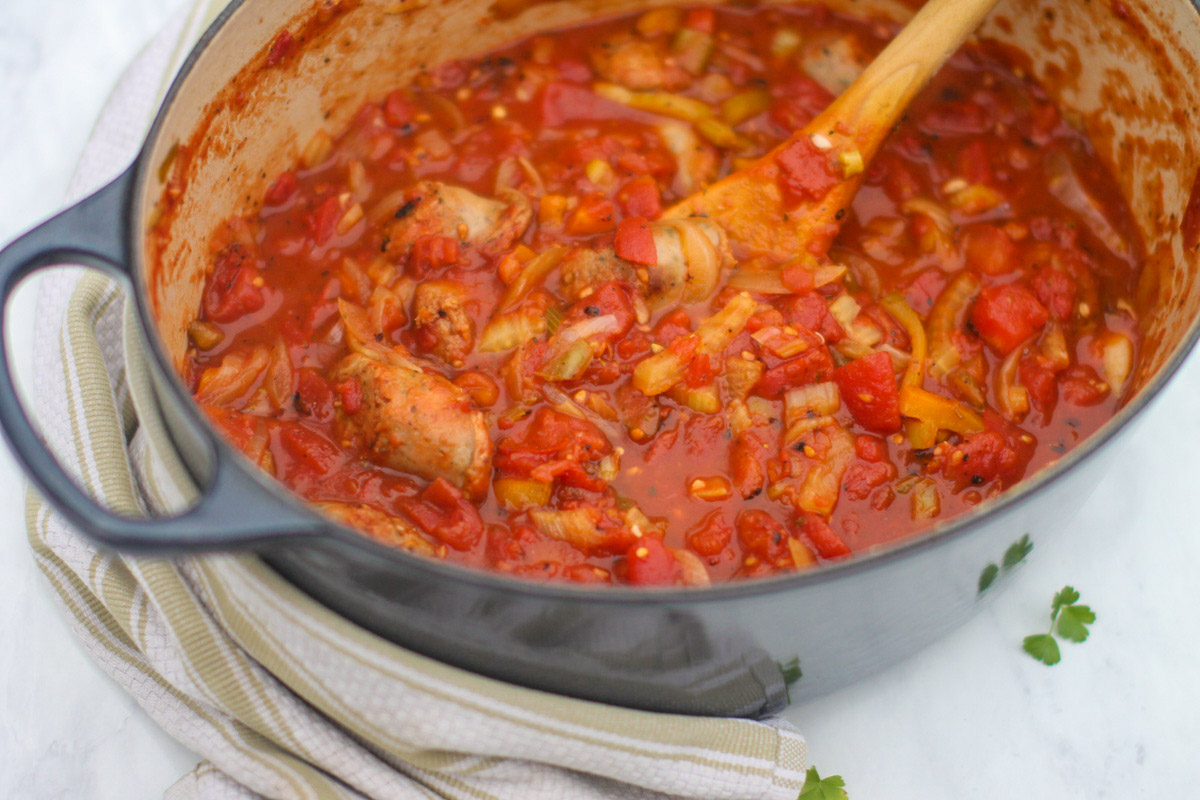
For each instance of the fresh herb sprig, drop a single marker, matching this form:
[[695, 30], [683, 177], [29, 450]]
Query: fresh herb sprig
[[1069, 619], [818, 788]]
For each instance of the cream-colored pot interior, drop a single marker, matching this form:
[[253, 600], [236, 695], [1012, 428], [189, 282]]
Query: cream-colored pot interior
[[1131, 79]]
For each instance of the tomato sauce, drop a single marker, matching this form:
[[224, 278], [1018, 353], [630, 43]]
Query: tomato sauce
[[351, 307]]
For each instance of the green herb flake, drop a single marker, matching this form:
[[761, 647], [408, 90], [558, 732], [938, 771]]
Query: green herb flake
[[1043, 647], [818, 788], [1016, 552], [987, 576]]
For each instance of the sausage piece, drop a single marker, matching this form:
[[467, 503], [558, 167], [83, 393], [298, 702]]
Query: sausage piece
[[430, 208], [691, 254], [379, 525], [416, 422], [637, 64], [443, 326]]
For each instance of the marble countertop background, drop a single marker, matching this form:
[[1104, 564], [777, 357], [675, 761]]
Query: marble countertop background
[[971, 717]]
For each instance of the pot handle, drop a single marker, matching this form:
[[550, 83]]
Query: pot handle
[[236, 507]]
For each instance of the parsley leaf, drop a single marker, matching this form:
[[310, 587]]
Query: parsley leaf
[[818, 788], [1066, 597], [1069, 619], [1013, 555], [1043, 647], [1073, 621], [1016, 552], [987, 577]]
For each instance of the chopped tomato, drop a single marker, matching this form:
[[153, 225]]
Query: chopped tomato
[[648, 562], [611, 298], [797, 100], [746, 467], [864, 477], [1081, 386], [700, 19], [323, 221], [1056, 291], [870, 448], [595, 214], [314, 398], [828, 544], [974, 162], [552, 431], [797, 277], [812, 312], [310, 449], [641, 198], [235, 287], [1040, 382], [281, 45], [443, 511], [762, 535], [1007, 315], [985, 457], [635, 242], [432, 253], [868, 388], [351, 393], [989, 250], [711, 536], [805, 174], [813, 365], [925, 288], [398, 110], [565, 102], [281, 190], [671, 327]]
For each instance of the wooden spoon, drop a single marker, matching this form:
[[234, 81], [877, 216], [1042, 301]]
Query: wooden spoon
[[789, 203]]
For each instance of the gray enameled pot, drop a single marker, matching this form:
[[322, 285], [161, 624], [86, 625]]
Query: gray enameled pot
[[736, 649]]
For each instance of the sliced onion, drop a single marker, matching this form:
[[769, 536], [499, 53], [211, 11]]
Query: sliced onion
[[1011, 397], [943, 321], [1117, 359], [1066, 186], [692, 571], [1054, 346], [279, 375], [531, 276], [759, 281], [803, 402], [567, 405], [577, 526], [934, 211], [587, 328], [926, 502], [233, 378]]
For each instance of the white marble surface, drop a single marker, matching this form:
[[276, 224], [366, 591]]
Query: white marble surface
[[971, 717]]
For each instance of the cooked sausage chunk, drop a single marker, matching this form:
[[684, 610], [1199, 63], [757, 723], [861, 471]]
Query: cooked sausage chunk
[[691, 253], [441, 322], [491, 227], [637, 64], [583, 269], [416, 422], [378, 524]]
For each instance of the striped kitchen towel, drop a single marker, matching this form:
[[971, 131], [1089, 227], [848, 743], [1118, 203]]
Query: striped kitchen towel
[[277, 695]]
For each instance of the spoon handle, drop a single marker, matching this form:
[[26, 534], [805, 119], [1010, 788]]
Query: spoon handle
[[750, 205], [875, 102]]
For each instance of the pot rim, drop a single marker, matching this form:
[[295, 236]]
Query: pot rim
[[882, 556]]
